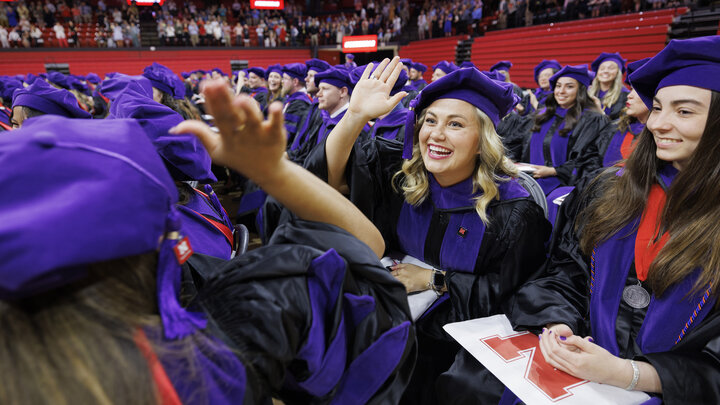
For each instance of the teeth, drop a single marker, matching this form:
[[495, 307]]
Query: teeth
[[439, 150], [668, 140]]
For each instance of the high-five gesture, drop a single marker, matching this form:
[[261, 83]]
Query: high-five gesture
[[256, 148], [371, 95], [246, 142]]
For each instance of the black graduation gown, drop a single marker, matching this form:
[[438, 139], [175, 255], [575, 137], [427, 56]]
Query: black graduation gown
[[581, 153], [297, 106], [510, 251], [513, 129], [613, 111], [313, 316]]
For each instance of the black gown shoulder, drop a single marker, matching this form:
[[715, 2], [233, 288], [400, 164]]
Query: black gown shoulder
[[309, 315]]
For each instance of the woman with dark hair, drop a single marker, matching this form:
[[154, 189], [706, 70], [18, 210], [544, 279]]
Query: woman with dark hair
[[629, 296], [95, 316], [560, 149], [448, 196]]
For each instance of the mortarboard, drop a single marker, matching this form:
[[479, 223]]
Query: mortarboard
[[579, 73], [47, 99]]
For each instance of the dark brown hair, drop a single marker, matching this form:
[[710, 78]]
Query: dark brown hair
[[691, 214], [582, 102]]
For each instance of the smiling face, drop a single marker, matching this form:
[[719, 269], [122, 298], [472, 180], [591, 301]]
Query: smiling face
[[677, 122], [449, 140], [274, 81], [254, 81], [543, 78], [607, 71], [330, 97], [566, 90]]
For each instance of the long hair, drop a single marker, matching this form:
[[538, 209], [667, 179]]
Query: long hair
[[582, 102], [491, 166], [612, 96], [76, 344], [691, 214]]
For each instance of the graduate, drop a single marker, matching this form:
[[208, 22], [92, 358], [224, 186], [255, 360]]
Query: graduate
[[40, 98], [415, 75], [607, 86], [333, 96], [96, 317], [256, 84], [542, 73], [631, 123], [442, 68], [273, 75], [562, 146], [297, 100], [629, 295], [204, 219], [453, 203], [168, 88], [314, 66]]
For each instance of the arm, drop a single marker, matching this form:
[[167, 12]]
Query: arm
[[256, 149], [370, 100]]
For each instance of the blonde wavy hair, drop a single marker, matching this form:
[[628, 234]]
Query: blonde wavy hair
[[491, 166], [612, 96]]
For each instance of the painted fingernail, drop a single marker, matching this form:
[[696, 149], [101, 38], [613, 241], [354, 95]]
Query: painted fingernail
[[544, 329], [591, 340], [562, 338], [539, 337], [550, 332]]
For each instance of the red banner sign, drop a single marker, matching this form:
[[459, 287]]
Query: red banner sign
[[359, 43], [146, 2], [268, 4]]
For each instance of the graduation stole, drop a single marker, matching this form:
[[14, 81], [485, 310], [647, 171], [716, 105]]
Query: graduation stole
[[669, 317]]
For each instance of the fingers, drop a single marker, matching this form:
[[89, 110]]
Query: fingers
[[390, 68], [276, 122], [219, 102], [381, 68], [396, 99], [366, 72], [395, 73], [209, 139]]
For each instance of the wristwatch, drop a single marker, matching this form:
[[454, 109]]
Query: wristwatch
[[437, 283]]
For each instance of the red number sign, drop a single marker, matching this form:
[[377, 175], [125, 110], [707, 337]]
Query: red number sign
[[555, 384]]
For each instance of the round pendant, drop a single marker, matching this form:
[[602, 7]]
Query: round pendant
[[636, 296]]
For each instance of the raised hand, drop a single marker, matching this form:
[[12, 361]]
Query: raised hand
[[246, 142], [371, 95]]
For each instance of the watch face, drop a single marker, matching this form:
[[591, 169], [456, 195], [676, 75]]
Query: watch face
[[438, 280]]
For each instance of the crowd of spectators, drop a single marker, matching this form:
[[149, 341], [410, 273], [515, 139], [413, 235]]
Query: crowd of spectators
[[70, 23], [239, 25], [31, 23]]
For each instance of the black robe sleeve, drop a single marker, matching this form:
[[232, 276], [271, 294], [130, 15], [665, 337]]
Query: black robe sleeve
[[514, 129], [583, 156], [616, 108], [559, 294], [349, 338]]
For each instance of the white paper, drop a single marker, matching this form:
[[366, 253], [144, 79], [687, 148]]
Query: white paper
[[524, 167], [508, 355], [419, 302]]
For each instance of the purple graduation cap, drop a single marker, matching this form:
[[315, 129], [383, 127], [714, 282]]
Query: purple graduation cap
[[350, 56], [185, 155], [30, 78], [8, 85], [112, 87], [93, 78], [633, 66], [260, 72], [47, 99], [219, 71], [495, 99], [399, 84], [605, 56], [467, 64], [419, 67], [318, 65], [162, 78], [186, 75], [58, 79], [495, 75], [336, 77], [274, 68], [407, 62], [295, 70], [689, 62], [445, 66], [545, 64], [125, 206], [502, 65], [579, 73]]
